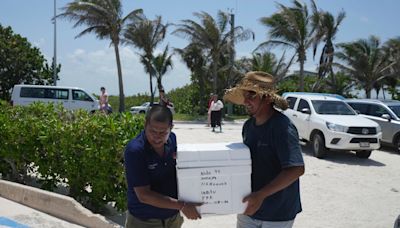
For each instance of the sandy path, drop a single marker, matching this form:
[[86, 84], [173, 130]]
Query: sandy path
[[339, 191]]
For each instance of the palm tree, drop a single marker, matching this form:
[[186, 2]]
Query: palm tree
[[212, 36], [147, 35], [326, 29], [365, 61], [196, 61], [291, 27], [161, 64], [104, 18], [267, 62]]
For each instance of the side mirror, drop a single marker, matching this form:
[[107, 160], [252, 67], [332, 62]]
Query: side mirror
[[386, 116], [306, 111]]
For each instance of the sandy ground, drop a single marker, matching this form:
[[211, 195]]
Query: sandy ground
[[338, 191]]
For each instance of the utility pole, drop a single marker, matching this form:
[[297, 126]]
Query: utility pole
[[55, 47], [231, 57]]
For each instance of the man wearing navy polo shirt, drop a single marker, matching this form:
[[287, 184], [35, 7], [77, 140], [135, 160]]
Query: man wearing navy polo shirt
[[277, 162], [151, 176]]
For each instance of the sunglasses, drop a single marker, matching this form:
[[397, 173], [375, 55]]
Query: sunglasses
[[250, 95]]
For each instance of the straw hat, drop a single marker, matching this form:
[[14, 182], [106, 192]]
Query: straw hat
[[257, 81]]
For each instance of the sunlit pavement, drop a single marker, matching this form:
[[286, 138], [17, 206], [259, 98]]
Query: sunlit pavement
[[16, 215]]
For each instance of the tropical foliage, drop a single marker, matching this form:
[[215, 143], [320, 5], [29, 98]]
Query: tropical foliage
[[20, 62], [212, 37], [147, 35], [291, 27], [365, 61], [162, 63], [104, 19], [326, 29], [76, 150]]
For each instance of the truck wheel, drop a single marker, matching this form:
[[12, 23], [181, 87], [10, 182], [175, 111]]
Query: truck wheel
[[318, 146], [397, 144], [363, 153]]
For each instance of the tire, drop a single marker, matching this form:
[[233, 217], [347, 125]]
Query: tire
[[318, 145], [397, 144], [363, 153]]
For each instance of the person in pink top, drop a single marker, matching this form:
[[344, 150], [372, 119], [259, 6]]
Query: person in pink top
[[104, 100]]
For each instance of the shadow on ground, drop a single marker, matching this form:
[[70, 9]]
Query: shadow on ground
[[345, 157]]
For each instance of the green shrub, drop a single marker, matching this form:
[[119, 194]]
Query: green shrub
[[79, 150]]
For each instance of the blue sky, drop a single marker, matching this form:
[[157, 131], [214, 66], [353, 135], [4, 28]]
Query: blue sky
[[90, 63]]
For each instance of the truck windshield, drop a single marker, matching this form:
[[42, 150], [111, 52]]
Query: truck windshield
[[332, 108]]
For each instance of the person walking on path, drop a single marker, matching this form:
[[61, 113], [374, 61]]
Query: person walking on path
[[215, 110], [150, 166], [277, 161]]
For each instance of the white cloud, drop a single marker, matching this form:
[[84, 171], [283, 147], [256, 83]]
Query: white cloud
[[92, 69]]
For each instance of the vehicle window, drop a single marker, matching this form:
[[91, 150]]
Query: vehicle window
[[324, 107], [376, 110], [32, 92], [291, 101], [303, 104], [56, 94], [395, 109], [362, 108], [80, 96]]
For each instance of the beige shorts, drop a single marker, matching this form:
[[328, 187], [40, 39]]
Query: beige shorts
[[172, 222]]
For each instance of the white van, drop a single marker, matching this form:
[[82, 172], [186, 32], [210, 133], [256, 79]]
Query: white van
[[71, 98]]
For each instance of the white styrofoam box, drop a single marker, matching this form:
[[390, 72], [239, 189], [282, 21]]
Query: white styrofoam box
[[217, 174]]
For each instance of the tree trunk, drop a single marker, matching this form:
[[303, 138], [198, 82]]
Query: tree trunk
[[120, 82], [202, 95], [151, 89], [159, 84], [301, 76], [368, 92], [214, 72]]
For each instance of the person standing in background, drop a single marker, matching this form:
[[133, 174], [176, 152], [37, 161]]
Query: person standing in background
[[216, 112], [103, 100]]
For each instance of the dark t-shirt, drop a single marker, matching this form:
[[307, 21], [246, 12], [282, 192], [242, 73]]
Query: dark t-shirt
[[143, 166], [274, 146]]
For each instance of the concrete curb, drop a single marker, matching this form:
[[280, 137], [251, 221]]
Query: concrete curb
[[60, 206]]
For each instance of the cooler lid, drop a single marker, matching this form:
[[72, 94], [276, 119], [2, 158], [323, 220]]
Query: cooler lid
[[212, 154]]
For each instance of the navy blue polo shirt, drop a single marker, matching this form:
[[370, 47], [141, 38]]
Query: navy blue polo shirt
[[274, 146], [143, 166]]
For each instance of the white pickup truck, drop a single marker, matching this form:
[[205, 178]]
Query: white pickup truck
[[327, 122]]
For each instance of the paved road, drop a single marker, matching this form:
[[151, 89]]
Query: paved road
[[16, 215]]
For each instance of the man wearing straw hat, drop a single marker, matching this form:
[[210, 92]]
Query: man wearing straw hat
[[277, 162]]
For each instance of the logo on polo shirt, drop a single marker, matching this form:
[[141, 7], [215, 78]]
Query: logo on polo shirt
[[152, 166]]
